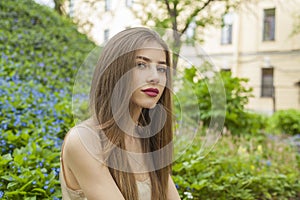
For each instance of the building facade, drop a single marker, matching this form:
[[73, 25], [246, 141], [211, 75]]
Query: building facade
[[255, 42], [102, 19]]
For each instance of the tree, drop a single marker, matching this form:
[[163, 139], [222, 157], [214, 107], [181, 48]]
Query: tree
[[59, 6], [82, 12], [182, 16]]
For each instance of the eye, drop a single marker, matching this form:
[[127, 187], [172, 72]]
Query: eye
[[141, 65], [162, 69]]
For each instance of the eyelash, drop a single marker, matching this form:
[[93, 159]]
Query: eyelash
[[143, 65]]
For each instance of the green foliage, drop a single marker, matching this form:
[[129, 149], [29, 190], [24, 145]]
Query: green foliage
[[285, 122], [237, 97], [37, 42], [40, 53], [33, 123], [239, 168], [179, 15]]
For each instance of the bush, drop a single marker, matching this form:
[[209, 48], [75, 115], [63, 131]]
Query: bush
[[40, 53], [33, 123], [239, 168], [237, 120], [36, 43], [285, 122]]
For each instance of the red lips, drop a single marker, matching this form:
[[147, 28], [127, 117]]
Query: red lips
[[152, 92]]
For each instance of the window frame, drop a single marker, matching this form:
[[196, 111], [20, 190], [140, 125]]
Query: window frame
[[269, 24], [267, 86], [107, 6], [106, 35], [226, 30], [129, 3]]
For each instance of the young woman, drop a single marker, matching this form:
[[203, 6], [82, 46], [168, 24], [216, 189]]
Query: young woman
[[124, 151]]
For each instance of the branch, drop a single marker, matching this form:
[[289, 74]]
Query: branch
[[173, 14], [168, 7], [196, 11]]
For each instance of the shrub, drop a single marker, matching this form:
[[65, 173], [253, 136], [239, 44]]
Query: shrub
[[285, 122], [36, 43], [33, 123], [237, 120], [40, 53], [239, 168]]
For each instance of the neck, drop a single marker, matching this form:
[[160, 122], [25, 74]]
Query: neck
[[135, 112]]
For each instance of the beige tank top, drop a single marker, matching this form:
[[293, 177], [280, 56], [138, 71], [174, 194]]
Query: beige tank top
[[144, 190], [144, 187]]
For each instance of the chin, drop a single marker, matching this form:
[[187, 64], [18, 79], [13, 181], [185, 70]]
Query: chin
[[151, 106], [148, 106], [148, 103]]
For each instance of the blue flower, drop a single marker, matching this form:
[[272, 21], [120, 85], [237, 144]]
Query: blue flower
[[268, 163], [52, 190], [1, 194], [41, 64], [4, 126], [4, 56], [56, 171]]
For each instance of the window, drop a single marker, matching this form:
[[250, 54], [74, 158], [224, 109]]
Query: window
[[71, 8], [190, 33], [267, 87], [106, 35], [269, 25], [129, 3], [107, 5], [225, 70], [226, 34]]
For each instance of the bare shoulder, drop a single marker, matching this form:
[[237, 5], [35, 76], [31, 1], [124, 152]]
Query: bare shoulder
[[81, 149], [72, 142], [83, 139], [172, 191]]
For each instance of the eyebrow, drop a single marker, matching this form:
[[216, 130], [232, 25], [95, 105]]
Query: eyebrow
[[149, 60]]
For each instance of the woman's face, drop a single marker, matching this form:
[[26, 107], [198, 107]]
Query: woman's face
[[149, 75]]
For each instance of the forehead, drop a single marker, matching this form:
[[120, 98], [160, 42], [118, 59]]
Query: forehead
[[153, 51]]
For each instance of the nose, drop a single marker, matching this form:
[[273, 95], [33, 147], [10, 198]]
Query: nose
[[153, 76]]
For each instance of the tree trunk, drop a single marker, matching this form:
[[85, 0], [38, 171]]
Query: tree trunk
[[58, 7]]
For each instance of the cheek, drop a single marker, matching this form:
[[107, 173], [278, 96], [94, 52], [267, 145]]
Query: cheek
[[163, 81], [162, 85], [136, 80]]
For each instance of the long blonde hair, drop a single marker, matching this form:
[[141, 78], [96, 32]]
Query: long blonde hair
[[117, 58]]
